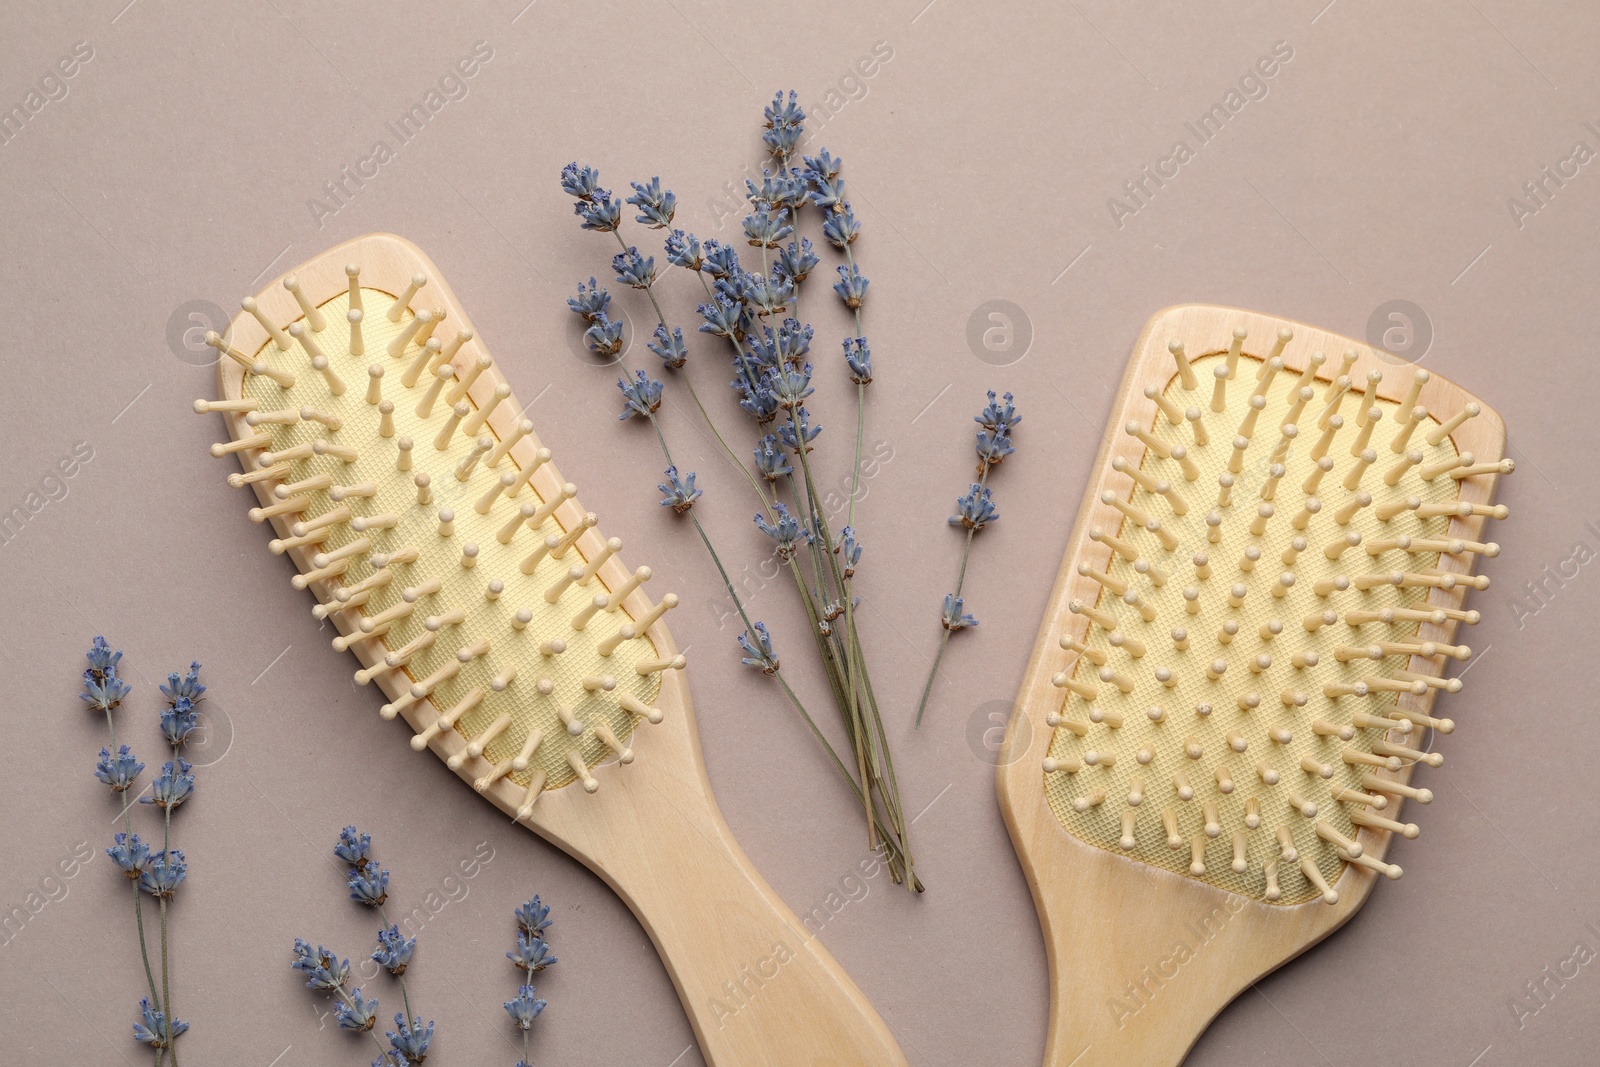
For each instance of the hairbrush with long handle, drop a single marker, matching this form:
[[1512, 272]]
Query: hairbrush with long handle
[[399, 473], [1236, 670]]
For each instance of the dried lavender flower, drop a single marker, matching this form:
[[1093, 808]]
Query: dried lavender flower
[[172, 786], [153, 1029], [848, 550], [683, 250], [767, 227], [358, 1013], [369, 884], [524, 1007], [758, 400], [590, 303], [323, 970], [102, 660], [851, 286], [680, 492], [118, 771], [603, 213], [785, 122], [164, 873], [656, 205], [976, 509], [353, 846], [394, 950], [179, 721], [721, 261], [807, 434], [634, 270], [759, 653], [410, 1040], [185, 687], [581, 182], [998, 417], [859, 358], [604, 336], [722, 318], [641, 397], [531, 954], [771, 461], [796, 260], [130, 855], [669, 346], [790, 385], [533, 917], [841, 228], [952, 618], [992, 448], [785, 532]]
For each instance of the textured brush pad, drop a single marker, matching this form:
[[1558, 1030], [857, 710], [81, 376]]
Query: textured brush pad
[[1225, 686], [571, 698]]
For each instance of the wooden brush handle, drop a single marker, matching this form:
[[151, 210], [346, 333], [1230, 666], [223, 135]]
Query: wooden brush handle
[[758, 987], [1141, 959]]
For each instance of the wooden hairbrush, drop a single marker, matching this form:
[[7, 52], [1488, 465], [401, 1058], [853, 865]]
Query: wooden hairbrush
[[1237, 667], [396, 468]]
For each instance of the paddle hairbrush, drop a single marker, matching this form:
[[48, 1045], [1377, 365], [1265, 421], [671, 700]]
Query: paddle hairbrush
[[1237, 667], [400, 476]]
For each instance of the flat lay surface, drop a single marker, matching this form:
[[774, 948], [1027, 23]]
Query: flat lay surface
[[1034, 182]]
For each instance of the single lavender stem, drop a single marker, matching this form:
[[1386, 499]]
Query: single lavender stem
[[961, 578], [166, 987], [138, 897], [861, 426], [938, 657], [404, 997]]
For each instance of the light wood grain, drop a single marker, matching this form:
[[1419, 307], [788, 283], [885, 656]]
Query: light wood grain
[[756, 984], [1141, 959]]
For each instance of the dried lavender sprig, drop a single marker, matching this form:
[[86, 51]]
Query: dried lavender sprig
[[974, 511], [104, 691], [324, 971], [171, 788], [532, 955], [368, 883]]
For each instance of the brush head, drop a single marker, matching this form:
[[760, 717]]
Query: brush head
[[424, 513], [1258, 607]]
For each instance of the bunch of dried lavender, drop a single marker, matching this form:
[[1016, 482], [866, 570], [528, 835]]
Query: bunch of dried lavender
[[756, 312]]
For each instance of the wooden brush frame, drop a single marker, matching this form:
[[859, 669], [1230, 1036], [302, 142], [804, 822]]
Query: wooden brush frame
[[653, 833], [1140, 958]]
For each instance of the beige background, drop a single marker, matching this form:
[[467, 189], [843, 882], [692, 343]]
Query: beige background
[[980, 157]]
